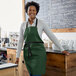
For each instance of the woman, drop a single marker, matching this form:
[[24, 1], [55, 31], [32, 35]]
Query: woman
[[31, 33]]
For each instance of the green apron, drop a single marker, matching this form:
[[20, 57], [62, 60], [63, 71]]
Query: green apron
[[34, 51]]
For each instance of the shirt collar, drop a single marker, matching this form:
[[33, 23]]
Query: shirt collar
[[34, 21]]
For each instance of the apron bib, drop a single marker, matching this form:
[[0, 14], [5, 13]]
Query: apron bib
[[34, 51]]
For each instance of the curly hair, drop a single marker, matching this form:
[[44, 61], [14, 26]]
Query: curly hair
[[30, 4]]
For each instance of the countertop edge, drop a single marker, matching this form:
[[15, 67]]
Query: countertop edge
[[6, 67]]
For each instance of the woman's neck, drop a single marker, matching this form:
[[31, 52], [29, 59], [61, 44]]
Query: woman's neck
[[31, 20]]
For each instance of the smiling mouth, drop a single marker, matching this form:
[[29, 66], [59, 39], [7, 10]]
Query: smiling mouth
[[31, 14]]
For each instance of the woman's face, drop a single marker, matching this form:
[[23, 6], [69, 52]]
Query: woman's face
[[32, 12]]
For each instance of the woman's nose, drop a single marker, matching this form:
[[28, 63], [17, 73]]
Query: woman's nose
[[32, 11]]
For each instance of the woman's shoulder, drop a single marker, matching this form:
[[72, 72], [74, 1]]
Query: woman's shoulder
[[41, 21], [23, 24]]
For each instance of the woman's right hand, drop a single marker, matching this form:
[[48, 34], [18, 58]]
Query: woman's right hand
[[17, 61]]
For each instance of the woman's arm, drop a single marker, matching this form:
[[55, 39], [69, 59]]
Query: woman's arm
[[20, 42], [53, 38]]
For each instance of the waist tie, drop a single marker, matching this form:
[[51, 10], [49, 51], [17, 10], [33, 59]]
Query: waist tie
[[29, 48]]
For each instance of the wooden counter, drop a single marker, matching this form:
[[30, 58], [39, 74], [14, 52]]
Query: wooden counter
[[7, 72], [21, 70], [58, 64], [7, 69]]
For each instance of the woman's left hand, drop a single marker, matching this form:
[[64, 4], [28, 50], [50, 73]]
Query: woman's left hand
[[65, 52]]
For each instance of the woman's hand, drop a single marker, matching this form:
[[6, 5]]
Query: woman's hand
[[17, 61], [65, 52]]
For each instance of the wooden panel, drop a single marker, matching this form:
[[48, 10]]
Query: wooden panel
[[25, 71], [22, 66], [21, 70], [54, 72], [64, 30], [23, 9], [11, 51], [16, 71], [57, 64], [7, 72], [71, 61], [72, 73], [56, 60], [61, 65], [11, 55], [9, 58]]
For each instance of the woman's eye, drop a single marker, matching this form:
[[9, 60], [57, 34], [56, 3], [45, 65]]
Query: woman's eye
[[29, 10]]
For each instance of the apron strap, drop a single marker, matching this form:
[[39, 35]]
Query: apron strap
[[26, 24], [36, 22]]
